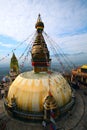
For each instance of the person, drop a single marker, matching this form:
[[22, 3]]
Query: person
[[44, 124], [52, 126]]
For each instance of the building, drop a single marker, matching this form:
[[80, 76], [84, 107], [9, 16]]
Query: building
[[79, 77]]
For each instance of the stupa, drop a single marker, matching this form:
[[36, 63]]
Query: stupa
[[33, 94]]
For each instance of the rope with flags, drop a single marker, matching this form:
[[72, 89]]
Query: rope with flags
[[25, 58], [20, 43], [56, 48], [23, 52], [55, 51], [28, 50]]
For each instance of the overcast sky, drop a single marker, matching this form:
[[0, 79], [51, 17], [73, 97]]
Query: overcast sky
[[65, 22]]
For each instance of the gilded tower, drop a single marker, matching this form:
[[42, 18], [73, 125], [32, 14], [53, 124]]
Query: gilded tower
[[40, 53]]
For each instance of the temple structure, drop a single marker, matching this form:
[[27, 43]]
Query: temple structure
[[8, 79], [33, 95], [79, 77], [14, 67]]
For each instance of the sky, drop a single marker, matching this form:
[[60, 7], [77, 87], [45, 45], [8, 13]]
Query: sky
[[65, 22]]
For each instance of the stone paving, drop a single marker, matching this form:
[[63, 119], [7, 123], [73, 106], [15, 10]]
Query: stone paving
[[83, 123], [74, 120]]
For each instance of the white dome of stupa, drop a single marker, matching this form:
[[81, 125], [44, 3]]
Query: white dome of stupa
[[31, 89]]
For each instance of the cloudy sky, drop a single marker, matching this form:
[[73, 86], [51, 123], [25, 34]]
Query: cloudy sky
[[65, 22]]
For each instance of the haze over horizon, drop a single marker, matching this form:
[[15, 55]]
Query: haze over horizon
[[65, 22]]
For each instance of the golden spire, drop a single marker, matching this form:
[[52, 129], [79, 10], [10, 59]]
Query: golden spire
[[39, 25], [40, 53], [39, 18]]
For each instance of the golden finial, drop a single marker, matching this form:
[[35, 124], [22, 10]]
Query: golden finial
[[39, 18], [39, 25]]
